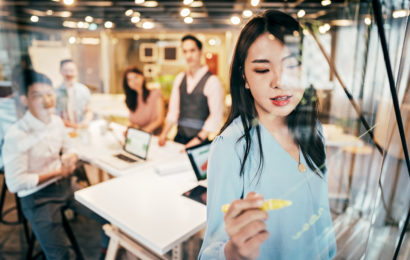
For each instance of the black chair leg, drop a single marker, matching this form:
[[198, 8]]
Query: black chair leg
[[23, 220], [71, 237], [32, 241], [2, 198]]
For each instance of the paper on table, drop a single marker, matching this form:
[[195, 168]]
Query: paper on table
[[172, 167]]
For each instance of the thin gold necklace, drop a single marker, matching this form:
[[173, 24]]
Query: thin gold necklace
[[301, 166]]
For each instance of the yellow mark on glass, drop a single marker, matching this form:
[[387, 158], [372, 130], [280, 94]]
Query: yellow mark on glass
[[270, 204]]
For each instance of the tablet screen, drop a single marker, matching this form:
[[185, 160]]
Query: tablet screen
[[137, 142], [198, 156]]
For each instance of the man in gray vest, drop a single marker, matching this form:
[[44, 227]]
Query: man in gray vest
[[196, 102]]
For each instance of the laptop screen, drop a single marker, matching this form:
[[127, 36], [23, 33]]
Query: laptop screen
[[137, 142], [198, 156]]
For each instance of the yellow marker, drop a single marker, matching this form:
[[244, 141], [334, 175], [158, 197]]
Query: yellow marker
[[270, 204]]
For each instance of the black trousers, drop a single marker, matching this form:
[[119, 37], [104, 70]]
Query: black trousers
[[43, 210]]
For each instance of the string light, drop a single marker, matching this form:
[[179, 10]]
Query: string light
[[108, 24], [185, 12], [34, 18], [188, 19], [254, 2], [247, 13], [235, 19]]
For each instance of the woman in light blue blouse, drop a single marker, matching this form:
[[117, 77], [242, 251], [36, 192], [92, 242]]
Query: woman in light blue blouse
[[270, 147]]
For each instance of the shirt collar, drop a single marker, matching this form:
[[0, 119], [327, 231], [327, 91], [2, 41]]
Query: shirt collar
[[199, 73], [32, 122]]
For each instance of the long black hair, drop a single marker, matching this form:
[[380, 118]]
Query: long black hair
[[131, 96], [302, 122]]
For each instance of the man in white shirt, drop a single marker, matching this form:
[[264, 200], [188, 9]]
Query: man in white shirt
[[196, 102], [73, 98], [35, 170]]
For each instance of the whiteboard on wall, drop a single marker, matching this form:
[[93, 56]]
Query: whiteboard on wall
[[47, 59]]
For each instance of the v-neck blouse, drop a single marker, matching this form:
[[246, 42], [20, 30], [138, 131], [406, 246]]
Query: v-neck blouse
[[303, 230]]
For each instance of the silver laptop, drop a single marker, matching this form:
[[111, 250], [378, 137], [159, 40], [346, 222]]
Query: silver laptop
[[135, 149]]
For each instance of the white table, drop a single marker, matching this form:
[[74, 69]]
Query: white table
[[145, 206], [101, 140], [148, 208]]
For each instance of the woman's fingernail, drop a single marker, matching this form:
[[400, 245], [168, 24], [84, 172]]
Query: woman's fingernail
[[259, 203]]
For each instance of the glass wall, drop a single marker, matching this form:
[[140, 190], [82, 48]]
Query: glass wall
[[369, 182]]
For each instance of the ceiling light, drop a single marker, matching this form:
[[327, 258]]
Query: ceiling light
[[254, 2], [197, 4], [90, 41], [326, 2], [89, 19], [148, 25], [93, 27], [65, 14], [70, 24], [301, 13], [34, 18], [188, 2], [129, 12], [49, 12], [108, 24], [324, 28], [80, 24], [139, 2], [341, 22], [185, 12], [188, 19], [68, 2], [368, 21], [400, 13], [235, 19], [151, 4], [247, 13], [72, 40], [135, 19], [212, 41]]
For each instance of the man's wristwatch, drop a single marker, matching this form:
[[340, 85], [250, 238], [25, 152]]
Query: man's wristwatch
[[199, 138]]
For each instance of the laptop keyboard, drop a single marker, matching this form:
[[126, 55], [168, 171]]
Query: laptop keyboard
[[125, 158]]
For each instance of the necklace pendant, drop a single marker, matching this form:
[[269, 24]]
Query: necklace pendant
[[301, 167]]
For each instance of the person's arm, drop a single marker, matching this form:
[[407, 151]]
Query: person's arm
[[17, 176], [88, 113], [173, 110], [88, 117], [198, 139], [163, 136], [159, 108], [214, 93]]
